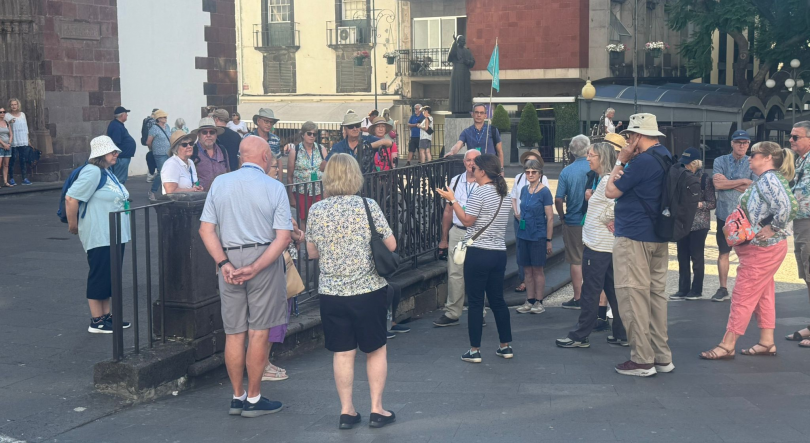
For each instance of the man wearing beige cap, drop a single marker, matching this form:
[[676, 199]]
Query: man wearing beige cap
[[640, 257], [228, 139]]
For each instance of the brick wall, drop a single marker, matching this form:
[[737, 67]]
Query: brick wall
[[532, 34], [81, 75], [221, 87]]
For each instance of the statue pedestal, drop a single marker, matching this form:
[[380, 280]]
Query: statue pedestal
[[453, 125]]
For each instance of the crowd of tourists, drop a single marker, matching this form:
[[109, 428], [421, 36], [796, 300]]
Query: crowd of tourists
[[610, 200]]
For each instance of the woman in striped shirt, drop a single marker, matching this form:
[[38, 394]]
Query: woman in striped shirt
[[485, 264], [597, 257]]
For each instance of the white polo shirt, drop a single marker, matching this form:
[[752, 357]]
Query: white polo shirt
[[463, 191]]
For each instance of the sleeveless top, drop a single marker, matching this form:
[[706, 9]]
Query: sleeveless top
[[305, 165], [4, 134]]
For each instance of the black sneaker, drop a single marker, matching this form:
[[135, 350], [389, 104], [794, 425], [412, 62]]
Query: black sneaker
[[721, 295], [472, 356], [571, 304], [602, 325], [678, 296], [261, 407], [400, 329], [506, 352], [236, 407], [617, 341], [445, 321], [102, 326], [568, 343], [348, 421], [693, 296], [390, 335], [379, 420], [125, 324]]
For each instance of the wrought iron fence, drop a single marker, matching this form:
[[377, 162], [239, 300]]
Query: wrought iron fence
[[424, 62], [437, 148]]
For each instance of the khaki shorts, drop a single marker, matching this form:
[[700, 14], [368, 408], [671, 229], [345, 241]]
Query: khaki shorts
[[258, 304], [572, 238], [801, 247]]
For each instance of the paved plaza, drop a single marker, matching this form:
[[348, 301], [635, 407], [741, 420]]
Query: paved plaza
[[543, 394]]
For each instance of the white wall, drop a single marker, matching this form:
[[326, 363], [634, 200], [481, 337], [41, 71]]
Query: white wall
[[158, 41]]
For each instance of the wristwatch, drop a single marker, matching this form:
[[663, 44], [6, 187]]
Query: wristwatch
[[619, 163], [548, 240], [223, 263], [452, 202]]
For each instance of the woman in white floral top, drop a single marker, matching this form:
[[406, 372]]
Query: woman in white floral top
[[770, 207], [354, 304]]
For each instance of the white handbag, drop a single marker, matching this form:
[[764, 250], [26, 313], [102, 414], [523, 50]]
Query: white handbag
[[460, 249]]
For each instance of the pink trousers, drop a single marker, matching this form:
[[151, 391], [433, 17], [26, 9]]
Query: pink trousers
[[754, 290]]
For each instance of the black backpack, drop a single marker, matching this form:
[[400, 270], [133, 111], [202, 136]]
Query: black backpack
[[61, 212], [680, 194], [148, 122]]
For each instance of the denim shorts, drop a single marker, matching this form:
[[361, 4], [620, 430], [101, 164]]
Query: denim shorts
[[5, 153]]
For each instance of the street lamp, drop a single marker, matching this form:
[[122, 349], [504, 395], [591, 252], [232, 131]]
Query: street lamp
[[588, 93], [378, 16], [793, 82]]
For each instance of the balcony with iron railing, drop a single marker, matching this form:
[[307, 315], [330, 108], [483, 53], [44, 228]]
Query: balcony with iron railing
[[423, 62], [353, 32], [276, 35]]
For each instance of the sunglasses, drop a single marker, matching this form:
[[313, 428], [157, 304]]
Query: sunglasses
[[532, 172], [2, 112], [187, 144], [354, 126], [310, 133], [795, 138], [208, 132], [234, 115]]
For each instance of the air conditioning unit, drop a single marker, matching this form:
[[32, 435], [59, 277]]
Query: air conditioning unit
[[347, 35]]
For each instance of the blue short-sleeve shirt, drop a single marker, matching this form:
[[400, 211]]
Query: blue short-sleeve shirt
[[533, 213], [642, 181], [732, 169], [478, 140], [571, 188], [415, 120]]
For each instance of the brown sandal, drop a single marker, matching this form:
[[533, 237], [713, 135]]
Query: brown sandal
[[711, 355], [767, 352]]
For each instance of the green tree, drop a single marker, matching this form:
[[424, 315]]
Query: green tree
[[780, 30], [566, 122], [529, 126], [500, 119]]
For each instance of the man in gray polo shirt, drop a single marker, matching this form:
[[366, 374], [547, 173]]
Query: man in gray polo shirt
[[253, 215]]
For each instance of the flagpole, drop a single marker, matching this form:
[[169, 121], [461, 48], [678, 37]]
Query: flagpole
[[488, 120]]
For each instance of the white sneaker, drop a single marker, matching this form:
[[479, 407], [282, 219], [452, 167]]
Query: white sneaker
[[150, 177], [151, 196], [525, 308], [610, 313], [538, 308]]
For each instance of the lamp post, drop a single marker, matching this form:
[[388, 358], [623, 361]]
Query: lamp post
[[793, 82], [588, 93], [377, 17]]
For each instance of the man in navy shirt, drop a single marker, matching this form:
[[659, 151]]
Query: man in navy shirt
[[352, 141], [480, 136], [120, 136], [640, 257], [413, 123]]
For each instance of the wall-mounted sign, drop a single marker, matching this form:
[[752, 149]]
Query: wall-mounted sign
[[79, 31]]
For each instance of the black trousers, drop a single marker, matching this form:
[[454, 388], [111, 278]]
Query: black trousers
[[151, 165], [99, 278], [483, 275], [597, 275], [690, 248]]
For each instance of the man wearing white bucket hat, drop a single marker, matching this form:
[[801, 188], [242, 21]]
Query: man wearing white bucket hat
[[98, 192], [640, 257]]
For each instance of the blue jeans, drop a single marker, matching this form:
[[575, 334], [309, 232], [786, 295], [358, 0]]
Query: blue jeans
[[121, 169], [521, 273], [19, 154], [159, 160]]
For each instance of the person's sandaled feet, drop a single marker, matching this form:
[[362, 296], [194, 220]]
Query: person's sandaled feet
[[797, 336], [764, 350], [713, 354], [274, 373], [805, 343], [521, 288]]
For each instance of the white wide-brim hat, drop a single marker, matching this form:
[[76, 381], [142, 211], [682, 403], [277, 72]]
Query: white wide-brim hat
[[101, 146], [644, 124]]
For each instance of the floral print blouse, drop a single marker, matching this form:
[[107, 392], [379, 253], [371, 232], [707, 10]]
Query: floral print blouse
[[801, 189], [770, 195], [703, 215], [305, 166], [338, 226]]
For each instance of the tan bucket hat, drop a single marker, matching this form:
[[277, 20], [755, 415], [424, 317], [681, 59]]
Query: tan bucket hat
[[616, 140], [265, 113], [532, 153], [160, 113], [208, 123], [644, 124], [380, 121], [179, 136], [351, 119]]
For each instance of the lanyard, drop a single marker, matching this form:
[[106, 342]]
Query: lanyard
[[115, 180], [310, 157], [478, 138], [468, 190], [252, 167], [528, 200]]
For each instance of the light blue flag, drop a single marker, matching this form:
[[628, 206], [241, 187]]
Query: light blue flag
[[494, 68]]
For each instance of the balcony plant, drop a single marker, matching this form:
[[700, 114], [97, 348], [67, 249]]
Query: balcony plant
[[391, 57], [615, 47], [529, 127], [360, 57], [655, 48]]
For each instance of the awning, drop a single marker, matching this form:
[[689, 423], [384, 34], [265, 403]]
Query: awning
[[785, 124], [321, 112]]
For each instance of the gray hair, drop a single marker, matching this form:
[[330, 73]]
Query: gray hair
[[117, 116], [417, 106], [308, 126], [579, 145], [609, 110], [607, 156], [534, 165], [179, 123], [173, 149], [804, 125]]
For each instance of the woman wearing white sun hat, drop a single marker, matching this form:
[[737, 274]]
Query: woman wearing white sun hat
[[91, 198]]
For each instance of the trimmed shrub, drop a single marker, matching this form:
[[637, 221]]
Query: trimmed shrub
[[529, 126], [566, 122], [500, 119]]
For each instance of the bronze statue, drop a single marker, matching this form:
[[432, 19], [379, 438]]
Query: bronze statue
[[460, 92]]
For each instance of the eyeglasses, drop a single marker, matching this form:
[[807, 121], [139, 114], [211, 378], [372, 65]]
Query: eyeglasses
[[354, 126], [530, 172], [208, 132], [234, 115], [479, 112], [591, 155], [796, 138], [187, 144], [274, 166], [115, 153], [310, 133], [741, 142]]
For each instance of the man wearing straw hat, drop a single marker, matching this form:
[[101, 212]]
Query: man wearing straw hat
[[640, 257], [264, 121], [352, 141]]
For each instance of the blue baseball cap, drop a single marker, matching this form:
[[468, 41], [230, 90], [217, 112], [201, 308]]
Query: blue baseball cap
[[740, 135], [690, 155]]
